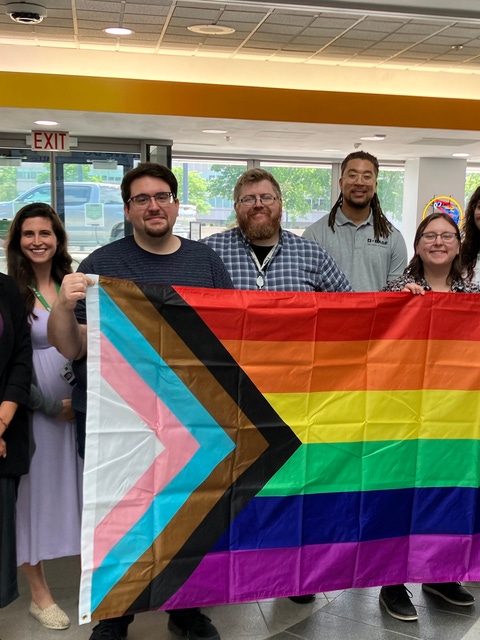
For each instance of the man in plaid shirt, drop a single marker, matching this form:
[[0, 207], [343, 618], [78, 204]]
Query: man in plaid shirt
[[260, 255]]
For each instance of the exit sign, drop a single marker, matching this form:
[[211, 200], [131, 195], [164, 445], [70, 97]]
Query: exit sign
[[50, 141]]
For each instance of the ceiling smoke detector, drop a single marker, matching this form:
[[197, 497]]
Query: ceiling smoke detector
[[26, 13]]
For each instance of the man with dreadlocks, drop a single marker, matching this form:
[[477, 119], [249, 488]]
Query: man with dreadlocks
[[366, 246], [371, 252]]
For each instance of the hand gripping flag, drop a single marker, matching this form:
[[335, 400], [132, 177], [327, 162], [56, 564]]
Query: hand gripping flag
[[245, 445]]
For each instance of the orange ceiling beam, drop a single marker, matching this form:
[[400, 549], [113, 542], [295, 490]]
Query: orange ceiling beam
[[119, 95]]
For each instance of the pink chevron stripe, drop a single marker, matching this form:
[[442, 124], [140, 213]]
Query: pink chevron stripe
[[180, 446], [249, 575]]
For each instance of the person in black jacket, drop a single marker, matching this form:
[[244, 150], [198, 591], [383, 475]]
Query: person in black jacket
[[15, 377]]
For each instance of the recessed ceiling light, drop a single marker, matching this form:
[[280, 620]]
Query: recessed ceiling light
[[374, 138], [457, 47], [460, 155], [211, 29], [118, 31], [214, 131], [46, 123]]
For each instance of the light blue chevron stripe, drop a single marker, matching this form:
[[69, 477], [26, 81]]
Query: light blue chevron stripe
[[214, 443]]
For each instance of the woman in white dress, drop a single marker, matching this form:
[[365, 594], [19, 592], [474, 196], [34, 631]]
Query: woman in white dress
[[49, 496]]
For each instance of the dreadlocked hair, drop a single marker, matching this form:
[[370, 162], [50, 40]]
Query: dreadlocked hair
[[471, 236], [382, 227]]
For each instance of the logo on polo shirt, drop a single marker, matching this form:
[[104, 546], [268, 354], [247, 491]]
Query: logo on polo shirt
[[373, 241]]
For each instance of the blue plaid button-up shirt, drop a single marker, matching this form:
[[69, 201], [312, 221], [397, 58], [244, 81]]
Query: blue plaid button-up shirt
[[296, 264]]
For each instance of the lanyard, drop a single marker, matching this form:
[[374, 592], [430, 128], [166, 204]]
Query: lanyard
[[41, 298], [262, 267]]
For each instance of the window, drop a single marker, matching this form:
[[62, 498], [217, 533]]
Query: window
[[77, 194], [208, 186], [306, 190], [39, 194], [110, 195], [390, 193], [472, 182]]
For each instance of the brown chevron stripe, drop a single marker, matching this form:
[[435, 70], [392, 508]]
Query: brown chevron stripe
[[250, 444]]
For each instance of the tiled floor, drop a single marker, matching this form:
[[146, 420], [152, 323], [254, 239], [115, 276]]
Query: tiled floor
[[339, 615]]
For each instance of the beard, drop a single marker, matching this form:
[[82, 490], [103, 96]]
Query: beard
[[158, 231], [259, 230], [358, 204]]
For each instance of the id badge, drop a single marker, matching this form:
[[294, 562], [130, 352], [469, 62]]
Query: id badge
[[67, 372]]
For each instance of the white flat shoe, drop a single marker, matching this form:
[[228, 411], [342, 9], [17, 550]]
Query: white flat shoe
[[52, 617]]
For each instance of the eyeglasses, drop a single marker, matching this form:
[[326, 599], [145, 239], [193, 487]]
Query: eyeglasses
[[143, 199], [250, 200], [353, 176], [447, 237]]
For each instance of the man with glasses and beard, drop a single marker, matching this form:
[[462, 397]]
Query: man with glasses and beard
[[356, 233], [154, 255], [260, 255]]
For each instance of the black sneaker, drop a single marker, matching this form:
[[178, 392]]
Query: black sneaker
[[452, 592], [108, 632], [396, 600], [199, 629], [303, 599]]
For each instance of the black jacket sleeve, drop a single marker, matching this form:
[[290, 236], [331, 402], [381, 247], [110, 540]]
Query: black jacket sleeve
[[15, 376]]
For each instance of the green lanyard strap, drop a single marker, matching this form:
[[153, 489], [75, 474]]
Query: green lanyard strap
[[41, 298]]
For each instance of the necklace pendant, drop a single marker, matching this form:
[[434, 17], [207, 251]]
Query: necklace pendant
[[260, 282]]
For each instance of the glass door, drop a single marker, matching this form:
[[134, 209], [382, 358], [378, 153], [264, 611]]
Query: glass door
[[86, 192], [88, 197]]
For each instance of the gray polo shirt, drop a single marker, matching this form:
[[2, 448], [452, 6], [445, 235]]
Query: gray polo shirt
[[368, 264]]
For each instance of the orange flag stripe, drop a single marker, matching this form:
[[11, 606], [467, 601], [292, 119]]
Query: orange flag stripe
[[303, 367]]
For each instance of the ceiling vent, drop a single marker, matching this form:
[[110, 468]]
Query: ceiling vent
[[26, 13]]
